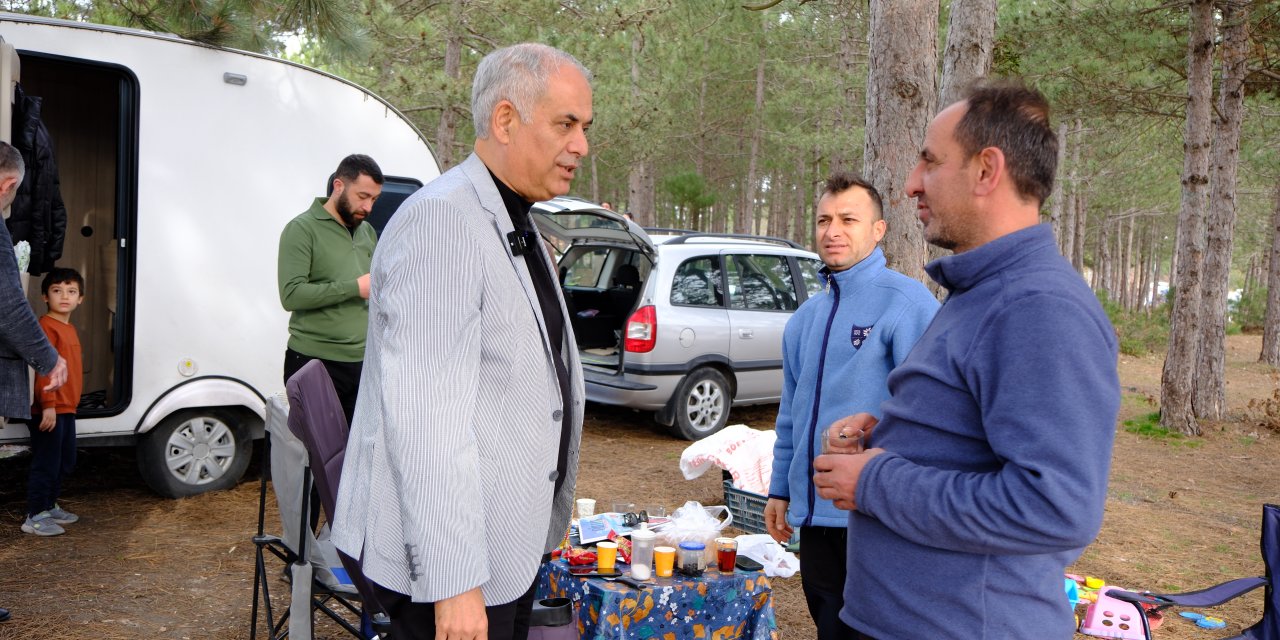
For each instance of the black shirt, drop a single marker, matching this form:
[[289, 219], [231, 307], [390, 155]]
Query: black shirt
[[545, 285]]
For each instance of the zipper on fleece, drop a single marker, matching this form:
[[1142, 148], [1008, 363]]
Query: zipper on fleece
[[817, 392]]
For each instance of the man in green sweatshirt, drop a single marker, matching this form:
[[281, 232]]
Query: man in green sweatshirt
[[323, 275]]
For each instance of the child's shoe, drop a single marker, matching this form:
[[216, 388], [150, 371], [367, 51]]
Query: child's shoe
[[42, 525], [62, 516]]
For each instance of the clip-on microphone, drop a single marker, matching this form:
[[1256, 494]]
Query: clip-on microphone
[[522, 242]]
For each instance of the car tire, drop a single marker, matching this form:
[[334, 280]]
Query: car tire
[[701, 404], [193, 452]]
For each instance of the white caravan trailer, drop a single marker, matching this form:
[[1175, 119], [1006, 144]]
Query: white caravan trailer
[[180, 163]]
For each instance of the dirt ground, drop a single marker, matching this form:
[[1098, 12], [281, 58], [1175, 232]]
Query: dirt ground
[[1179, 517]]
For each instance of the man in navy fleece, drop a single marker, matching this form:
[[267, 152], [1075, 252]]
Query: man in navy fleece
[[989, 468], [837, 351]]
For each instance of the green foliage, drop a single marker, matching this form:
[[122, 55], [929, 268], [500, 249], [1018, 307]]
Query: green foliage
[[691, 196], [251, 25], [1139, 332], [1249, 314], [1148, 426]]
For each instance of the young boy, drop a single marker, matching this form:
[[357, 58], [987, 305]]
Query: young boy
[[53, 429]]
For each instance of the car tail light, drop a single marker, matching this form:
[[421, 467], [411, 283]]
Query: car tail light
[[642, 330]]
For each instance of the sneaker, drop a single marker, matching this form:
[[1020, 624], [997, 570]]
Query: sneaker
[[62, 516], [42, 525]]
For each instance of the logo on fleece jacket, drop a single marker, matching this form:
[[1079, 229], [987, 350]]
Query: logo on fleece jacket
[[860, 335]]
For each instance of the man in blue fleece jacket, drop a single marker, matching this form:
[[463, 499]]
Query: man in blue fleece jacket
[[989, 468], [837, 350]]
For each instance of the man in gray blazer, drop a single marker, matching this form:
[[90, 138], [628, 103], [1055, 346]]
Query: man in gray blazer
[[463, 454], [22, 341]]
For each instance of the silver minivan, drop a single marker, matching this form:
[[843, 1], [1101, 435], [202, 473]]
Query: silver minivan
[[681, 323]]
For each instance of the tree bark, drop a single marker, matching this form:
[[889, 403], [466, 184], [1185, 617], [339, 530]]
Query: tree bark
[[1056, 206], [1176, 385], [746, 222], [1271, 325], [901, 98], [447, 129], [1081, 216], [971, 37], [1211, 376], [640, 181], [853, 45]]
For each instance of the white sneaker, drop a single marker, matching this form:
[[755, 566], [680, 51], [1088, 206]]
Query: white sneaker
[[62, 516], [42, 525]]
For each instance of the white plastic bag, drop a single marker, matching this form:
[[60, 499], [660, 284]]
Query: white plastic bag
[[694, 523], [761, 547]]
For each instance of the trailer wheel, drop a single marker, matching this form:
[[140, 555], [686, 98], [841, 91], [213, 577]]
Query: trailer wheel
[[194, 451]]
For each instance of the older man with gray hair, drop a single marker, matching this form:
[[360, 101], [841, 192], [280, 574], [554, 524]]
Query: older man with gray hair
[[463, 453], [22, 343]]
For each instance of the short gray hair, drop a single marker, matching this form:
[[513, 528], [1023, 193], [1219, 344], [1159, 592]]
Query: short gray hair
[[518, 73], [11, 161]]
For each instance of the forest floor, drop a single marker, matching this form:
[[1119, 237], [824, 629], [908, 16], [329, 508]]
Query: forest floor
[[1181, 515]]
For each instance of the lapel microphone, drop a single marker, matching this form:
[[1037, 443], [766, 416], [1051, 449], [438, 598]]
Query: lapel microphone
[[522, 242]]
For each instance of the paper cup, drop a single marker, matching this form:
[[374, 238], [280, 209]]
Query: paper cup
[[586, 507], [606, 555], [664, 561]]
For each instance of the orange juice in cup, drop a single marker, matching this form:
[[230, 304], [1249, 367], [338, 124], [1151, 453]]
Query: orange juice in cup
[[606, 555], [664, 561]]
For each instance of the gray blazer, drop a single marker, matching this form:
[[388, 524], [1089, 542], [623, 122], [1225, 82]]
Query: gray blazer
[[451, 463], [22, 341]]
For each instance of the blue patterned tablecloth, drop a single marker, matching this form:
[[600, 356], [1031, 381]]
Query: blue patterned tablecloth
[[711, 607]]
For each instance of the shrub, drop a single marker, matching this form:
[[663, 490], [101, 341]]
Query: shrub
[[1249, 314], [1139, 332]]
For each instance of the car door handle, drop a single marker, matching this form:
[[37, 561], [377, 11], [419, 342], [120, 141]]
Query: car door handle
[[746, 333]]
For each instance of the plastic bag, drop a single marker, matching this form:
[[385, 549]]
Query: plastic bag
[[694, 523], [761, 547]]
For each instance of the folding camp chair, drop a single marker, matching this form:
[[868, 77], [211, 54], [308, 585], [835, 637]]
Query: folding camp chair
[[322, 580], [1268, 628], [317, 419]]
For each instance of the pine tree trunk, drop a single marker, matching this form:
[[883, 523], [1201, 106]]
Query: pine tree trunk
[[1082, 215], [851, 58], [901, 99], [640, 194], [746, 221], [1176, 382], [1078, 211], [1126, 268], [1211, 376], [1147, 250], [1158, 265], [447, 129], [971, 37], [1271, 325], [1056, 208]]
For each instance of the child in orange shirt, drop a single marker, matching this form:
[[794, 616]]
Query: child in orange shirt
[[53, 430]]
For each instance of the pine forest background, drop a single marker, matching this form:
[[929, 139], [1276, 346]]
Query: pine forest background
[[719, 116]]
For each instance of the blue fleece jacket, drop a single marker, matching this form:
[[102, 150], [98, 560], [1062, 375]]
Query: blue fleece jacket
[[998, 442], [837, 350]]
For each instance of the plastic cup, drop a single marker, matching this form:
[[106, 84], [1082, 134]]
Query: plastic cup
[[664, 561], [726, 554], [586, 507], [840, 441], [606, 555]]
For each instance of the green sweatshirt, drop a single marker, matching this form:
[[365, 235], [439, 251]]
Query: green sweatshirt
[[319, 263]]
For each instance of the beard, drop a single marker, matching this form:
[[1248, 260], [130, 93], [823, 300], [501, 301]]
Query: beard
[[347, 213]]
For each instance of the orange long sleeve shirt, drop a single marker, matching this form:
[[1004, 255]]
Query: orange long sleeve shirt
[[66, 398]]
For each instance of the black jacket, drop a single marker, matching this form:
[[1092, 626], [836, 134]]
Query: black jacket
[[38, 215]]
